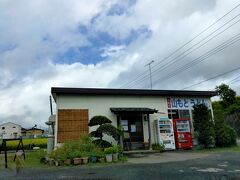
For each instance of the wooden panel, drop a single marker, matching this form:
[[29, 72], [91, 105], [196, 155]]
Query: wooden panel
[[72, 123]]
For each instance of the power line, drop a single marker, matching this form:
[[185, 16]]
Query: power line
[[214, 77], [184, 55], [234, 80], [230, 82], [202, 57], [174, 52]]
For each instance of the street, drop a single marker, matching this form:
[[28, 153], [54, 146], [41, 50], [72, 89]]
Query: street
[[215, 166]]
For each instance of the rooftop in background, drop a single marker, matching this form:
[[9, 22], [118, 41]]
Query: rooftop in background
[[128, 92]]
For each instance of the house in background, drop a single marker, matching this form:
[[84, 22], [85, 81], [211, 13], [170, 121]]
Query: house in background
[[135, 109], [32, 132], [10, 130]]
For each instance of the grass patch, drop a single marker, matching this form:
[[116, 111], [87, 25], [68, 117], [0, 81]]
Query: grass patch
[[32, 160], [220, 149], [39, 142]]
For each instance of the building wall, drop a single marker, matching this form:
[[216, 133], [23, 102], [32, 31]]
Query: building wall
[[100, 105], [34, 133], [10, 130]]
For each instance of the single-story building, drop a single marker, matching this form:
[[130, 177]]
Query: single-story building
[[10, 130], [135, 109], [32, 132]]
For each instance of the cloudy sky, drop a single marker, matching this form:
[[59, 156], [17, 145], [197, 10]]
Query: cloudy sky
[[97, 43]]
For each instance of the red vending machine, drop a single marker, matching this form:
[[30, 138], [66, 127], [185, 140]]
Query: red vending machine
[[182, 133]]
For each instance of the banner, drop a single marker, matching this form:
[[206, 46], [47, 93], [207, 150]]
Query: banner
[[185, 103]]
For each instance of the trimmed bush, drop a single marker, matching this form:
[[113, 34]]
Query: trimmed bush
[[102, 143], [104, 127], [99, 120], [225, 135]]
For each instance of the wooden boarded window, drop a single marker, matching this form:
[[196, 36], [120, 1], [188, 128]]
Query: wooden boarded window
[[72, 123]]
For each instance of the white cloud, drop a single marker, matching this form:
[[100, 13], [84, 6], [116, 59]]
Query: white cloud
[[113, 51]]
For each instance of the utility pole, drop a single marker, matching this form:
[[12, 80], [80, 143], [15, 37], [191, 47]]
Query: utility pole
[[150, 71]]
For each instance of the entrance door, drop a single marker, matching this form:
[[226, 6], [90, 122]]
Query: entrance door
[[136, 130], [134, 127]]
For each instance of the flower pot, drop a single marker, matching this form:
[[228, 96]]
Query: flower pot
[[94, 159], [84, 160], [109, 157], [67, 161], [57, 163], [120, 155], [77, 161], [101, 160], [61, 162], [115, 157], [51, 162]]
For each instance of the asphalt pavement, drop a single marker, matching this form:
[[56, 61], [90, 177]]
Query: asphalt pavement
[[214, 166]]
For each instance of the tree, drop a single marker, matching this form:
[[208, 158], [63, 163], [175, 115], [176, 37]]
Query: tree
[[104, 127], [203, 125], [226, 111], [225, 135], [234, 121], [227, 95]]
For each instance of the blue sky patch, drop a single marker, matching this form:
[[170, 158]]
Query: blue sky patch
[[99, 41], [7, 47], [121, 8]]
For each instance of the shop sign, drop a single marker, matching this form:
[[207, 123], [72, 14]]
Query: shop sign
[[185, 103]]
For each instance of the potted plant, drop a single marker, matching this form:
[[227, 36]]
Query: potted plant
[[108, 154], [159, 147], [58, 156], [93, 156], [101, 159], [75, 155], [84, 157], [120, 152], [84, 160], [115, 152]]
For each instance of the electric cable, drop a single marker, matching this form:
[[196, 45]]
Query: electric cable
[[174, 52]]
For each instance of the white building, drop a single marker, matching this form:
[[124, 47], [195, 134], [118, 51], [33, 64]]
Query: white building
[[10, 130], [135, 109]]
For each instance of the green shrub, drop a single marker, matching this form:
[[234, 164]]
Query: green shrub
[[59, 154], [159, 147], [109, 150], [84, 147], [225, 135], [115, 149], [96, 153], [204, 126]]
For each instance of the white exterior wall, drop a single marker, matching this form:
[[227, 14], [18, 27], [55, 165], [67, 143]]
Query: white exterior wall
[[7, 130], [100, 105]]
